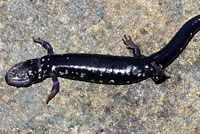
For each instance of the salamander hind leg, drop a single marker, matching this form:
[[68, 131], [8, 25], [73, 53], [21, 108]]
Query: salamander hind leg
[[44, 44], [131, 45], [158, 76]]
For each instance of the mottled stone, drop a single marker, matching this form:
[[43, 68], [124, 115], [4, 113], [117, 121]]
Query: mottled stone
[[96, 26]]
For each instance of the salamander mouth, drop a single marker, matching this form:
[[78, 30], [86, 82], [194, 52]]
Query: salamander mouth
[[18, 76]]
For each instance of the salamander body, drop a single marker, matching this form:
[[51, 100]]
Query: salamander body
[[103, 69]]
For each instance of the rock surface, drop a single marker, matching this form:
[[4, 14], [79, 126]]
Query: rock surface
[[97, 26]]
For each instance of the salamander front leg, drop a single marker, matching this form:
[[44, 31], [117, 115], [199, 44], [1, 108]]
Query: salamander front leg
[[55, 88], [44, 44], [131, 45]]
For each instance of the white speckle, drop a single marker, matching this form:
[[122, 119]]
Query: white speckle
[[77, 73], [40, 70], [43, 60], [82, 75], [47, 65], [128, 82], [111, 81], [126, 70], [100, 74], [137, 71], [116, 71], [102, 69], [44, 71], [16, 78], [67, 58], [134, 68], [53, 68], [61, 73], [66, 71], [181, 49], [30, 72], [48, 59], [146, 66], [109, 70], [100, 81], [39, 76], [139, 74], [143, 74]]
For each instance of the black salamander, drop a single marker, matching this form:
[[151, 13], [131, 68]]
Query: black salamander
[[104, 69]]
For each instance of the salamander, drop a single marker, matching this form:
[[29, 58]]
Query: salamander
[[103, 69]]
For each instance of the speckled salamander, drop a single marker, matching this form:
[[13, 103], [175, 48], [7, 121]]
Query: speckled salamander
[[105, 69]]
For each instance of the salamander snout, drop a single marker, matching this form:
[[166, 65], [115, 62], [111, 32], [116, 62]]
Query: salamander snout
[[18, 75]]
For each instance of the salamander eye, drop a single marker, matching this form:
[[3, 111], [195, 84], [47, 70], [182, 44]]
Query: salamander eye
[[18, 75]]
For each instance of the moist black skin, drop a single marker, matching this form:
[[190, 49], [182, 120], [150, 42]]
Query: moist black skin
[[103, 69]]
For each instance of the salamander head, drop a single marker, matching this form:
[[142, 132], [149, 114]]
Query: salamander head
[[22, 74], [18, 75]]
